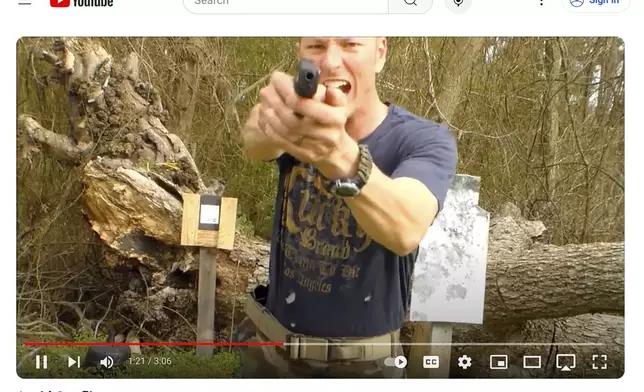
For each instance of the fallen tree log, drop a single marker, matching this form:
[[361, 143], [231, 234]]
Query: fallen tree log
[[528, 280], [555, 281]]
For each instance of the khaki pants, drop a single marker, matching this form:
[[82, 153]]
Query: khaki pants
[[274, 362]]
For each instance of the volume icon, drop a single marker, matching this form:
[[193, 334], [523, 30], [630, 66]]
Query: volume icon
[[108, 362]]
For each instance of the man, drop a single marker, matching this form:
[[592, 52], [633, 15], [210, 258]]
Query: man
[[360, 183]]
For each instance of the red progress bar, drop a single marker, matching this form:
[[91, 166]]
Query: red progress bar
[[153, 344]]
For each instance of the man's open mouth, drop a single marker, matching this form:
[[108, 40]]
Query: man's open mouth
[[343, 85]]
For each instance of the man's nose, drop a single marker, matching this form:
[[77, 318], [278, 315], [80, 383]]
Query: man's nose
[[332, 58]]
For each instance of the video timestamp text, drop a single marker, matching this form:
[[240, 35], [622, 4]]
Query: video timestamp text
[[156, 361]]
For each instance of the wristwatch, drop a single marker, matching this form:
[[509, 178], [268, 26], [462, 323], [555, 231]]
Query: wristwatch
[[351, 187]]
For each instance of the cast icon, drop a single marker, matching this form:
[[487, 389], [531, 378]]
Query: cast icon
[[566, 362]]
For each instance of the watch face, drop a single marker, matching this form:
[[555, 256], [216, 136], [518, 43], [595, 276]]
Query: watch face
[[346, 189]]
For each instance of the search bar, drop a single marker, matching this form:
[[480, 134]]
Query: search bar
[[333, 7]]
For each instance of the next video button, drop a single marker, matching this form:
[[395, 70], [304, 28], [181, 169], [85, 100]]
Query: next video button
[[596, 6]]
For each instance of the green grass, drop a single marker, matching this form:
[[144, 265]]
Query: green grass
[[153, 363]]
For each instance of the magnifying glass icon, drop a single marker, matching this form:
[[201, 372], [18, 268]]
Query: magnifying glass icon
[[411, 2]]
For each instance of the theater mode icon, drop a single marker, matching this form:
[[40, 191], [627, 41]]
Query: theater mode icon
[[532, 361]]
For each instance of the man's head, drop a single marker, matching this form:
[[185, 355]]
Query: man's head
[[350, 64]]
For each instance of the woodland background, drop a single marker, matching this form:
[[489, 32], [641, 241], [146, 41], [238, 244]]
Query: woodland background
[[540, 120]]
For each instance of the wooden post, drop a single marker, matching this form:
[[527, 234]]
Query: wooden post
[[208, 222], [441, 333], [425, 337], [207, 294]]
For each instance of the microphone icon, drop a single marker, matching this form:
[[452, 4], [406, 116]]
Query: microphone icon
[[458, 2]]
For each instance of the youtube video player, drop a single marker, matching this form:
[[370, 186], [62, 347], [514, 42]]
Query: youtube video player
[[245, 190]]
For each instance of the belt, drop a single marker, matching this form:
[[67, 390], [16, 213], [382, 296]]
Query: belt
[[299, 346]]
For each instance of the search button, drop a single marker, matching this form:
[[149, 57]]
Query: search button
[[458, 6], [596, 6], [409, 6]]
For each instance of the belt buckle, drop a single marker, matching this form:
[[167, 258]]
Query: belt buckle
[[293, 342], [299, 349]]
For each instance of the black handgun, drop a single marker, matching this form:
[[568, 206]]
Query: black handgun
[[307, 79]]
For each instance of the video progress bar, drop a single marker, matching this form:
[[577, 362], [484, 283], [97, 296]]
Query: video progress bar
[[445, 344]]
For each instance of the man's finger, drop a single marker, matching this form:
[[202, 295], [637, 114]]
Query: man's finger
[[283, 143], [320, 112], [273, 121], [283, 85], [335, 97], [279, 107], [320, 94]]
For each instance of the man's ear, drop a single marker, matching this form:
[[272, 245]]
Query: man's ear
[[297, 47], [381, 53]]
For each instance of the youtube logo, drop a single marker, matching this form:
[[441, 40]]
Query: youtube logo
[[81, 3]]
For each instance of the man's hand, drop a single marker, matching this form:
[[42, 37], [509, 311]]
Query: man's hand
[[319, 136]]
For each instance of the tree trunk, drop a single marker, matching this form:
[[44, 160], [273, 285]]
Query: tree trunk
[[550, 117], [447, 84]]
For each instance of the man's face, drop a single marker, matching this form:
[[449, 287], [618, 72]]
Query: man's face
[[350, 64]]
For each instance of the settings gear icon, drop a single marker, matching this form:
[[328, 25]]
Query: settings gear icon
[[464, 362]]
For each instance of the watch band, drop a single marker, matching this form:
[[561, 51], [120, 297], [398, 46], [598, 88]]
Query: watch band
[[351, 187], [365, 164]]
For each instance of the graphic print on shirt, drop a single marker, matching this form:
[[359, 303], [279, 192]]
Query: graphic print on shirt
[[321, 238]]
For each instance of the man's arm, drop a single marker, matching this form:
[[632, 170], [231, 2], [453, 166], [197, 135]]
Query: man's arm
[[397, 211], [256, 144]]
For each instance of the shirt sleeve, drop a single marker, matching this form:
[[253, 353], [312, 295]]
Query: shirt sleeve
[[429, 156]]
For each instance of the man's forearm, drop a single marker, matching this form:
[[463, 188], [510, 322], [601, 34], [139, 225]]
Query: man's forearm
[[394, 212]]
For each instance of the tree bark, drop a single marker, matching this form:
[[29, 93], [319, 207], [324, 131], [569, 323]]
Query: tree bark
[[555, 281], [448, 79]]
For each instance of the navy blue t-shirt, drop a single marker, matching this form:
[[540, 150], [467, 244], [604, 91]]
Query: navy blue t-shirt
[[327, 278]]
